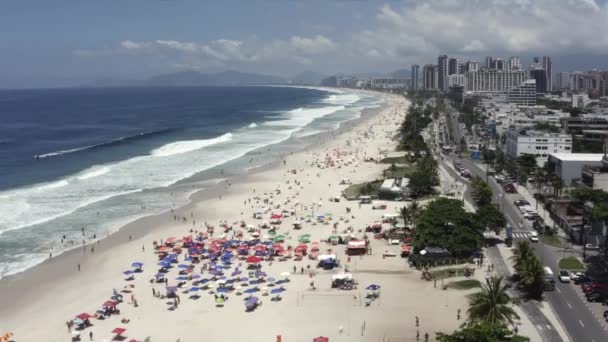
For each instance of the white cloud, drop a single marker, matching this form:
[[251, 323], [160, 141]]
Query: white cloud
[[424, 28], [412, 31]]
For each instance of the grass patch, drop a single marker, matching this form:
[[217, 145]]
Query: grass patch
[[571, 263], [400, 171], [395, 160], [464, 284], [552, 240], [448, 272], [363, 189]]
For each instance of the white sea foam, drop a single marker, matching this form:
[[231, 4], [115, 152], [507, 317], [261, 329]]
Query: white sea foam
[[93, 172], [163, 166], [252, 125], [189, 146]]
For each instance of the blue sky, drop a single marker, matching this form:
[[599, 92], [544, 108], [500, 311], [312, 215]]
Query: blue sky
[[55, 43]]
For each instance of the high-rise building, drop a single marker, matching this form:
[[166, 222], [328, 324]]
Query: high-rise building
[[415, 76], [548, 66], [498, 64], [514, 63], [540, 75], [489, 62], [563, 81], [429, 76], [523, 94], [442, 70], [471, 66], [491, 80], [454, 66]]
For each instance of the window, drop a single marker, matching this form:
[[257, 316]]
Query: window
[[568, 148], [568, 140]]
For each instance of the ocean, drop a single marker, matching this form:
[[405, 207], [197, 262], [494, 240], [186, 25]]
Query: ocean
[[100, 158]]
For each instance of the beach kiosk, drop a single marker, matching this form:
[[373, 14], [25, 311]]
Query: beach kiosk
[[356, 247]]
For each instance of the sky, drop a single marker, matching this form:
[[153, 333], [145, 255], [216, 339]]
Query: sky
[[49, 43]]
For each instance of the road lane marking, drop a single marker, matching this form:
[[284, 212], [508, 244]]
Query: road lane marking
[[558, 290], [581, 322], [570, 306]]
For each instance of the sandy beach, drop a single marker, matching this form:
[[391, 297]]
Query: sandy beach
[[36, 304]]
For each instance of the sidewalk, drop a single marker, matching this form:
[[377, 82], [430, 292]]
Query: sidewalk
[[523, 191]]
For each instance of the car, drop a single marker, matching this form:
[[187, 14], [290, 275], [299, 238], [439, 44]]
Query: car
[[574, 276], [521, 202], [510, 188], [564, 276], [591, 247], [596, 297], [534, 236]]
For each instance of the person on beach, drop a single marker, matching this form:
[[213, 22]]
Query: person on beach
[[50, 255], [91, 335], [78, 267]]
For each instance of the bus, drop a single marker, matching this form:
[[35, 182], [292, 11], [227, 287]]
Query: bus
[[549, 279]]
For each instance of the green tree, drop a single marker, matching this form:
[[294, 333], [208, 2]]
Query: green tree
[[521, 254], [445, 223], [481, 192], [414, 210], [405, 214], [489, 216], [481, 332], [499, 161], [492, 304], [532, 277]]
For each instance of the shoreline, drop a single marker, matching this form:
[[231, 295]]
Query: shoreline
[[57, 291], [212, 183], [134, 228]]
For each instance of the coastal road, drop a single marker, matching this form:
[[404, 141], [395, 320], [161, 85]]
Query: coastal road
[[544, 327], [577, 318]]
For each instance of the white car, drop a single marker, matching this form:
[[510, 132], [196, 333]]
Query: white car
[[564, 276], [534, 236], [591, 247]]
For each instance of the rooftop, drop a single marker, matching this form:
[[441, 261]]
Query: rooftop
[[597, 157], [534, 133]]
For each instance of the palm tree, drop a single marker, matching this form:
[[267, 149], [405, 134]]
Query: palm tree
[[405, 214], [521, 255], [414, 211], [533, 277], [491, 305]]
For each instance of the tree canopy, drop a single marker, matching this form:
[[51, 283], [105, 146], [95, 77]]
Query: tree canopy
[[445, 223], [481, 332], [492, 304], [481, 192]]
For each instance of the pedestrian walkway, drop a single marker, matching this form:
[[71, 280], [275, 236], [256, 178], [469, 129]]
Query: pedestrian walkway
[[516, 235]]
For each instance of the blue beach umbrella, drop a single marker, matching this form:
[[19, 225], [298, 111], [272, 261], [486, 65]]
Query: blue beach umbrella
[[271, 279], [181, 278], [373, 287], [159, 275], [129, 272], [278, 290], [251, 290], [188, 259], [222, 290], [137, 265], [196, 276], [235, 273], [183, 266], [194, 289]]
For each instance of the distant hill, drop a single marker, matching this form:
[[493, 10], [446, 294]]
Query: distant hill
[[195, 78], [308, 77]]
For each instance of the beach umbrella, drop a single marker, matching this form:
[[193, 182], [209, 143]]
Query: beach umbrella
[[127, 273], [373, 287], [137, 265], [321, 339], [235, 273], [194, 289], [253, 259], [251, 290], [278, 290], [84, 316], [260, 274], [223, 290], [188, 259], [196, 276], [109, 304], [271, 280], [118, 331], [244, 279], [181, 278], [77, 321], [183, 266], [159, 275]]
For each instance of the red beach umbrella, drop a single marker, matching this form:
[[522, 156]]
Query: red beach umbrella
[[253, 259], [118, 331], [84, 316], [109, 304], [321, 339]]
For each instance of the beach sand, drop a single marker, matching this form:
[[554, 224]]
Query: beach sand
[[36, 304]]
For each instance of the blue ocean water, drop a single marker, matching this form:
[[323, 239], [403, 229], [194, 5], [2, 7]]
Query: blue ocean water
[[98, 158]]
